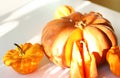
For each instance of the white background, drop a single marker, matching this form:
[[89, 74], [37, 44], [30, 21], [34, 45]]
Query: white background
[[10, 5]]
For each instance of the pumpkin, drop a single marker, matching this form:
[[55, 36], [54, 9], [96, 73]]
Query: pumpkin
[[92, 28], [79, 41], [25, 58], [62, 11], [113, 59]]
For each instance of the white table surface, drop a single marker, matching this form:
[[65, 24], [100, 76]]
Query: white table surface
[[7, 6]]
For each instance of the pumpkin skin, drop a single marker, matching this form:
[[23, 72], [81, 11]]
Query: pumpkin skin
[[97, 33], [25, 58], [113, 59], [62, 11]]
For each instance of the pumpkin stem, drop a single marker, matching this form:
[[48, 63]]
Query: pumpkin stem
[[80, 24], [20, 49]]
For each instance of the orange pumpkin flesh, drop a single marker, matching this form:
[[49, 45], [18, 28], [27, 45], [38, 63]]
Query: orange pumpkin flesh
[[49, 36], [77, 67], [94, 31], [75, 36]]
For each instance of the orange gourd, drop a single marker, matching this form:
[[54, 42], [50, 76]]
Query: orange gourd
[[113, 59], [25, 58], [62, 11]]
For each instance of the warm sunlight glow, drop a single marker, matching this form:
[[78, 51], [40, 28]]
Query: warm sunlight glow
[[83, 5], [35, 39], [6, 27], [27, 9]]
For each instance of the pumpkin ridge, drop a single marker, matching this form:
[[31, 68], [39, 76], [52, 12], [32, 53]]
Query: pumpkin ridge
[[109, 32], [97, 46], [91, 33]]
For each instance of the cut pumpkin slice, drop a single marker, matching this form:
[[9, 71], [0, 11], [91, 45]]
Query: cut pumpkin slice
[[83, 64], [76, 69], [75, 36], [90, 66]]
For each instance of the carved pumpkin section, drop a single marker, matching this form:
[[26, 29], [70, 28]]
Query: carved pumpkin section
[[79, 41], [91, 28]]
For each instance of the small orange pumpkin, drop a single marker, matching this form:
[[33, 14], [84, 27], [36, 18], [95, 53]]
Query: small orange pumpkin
[[113, 59], [25, 58], [62, 11]]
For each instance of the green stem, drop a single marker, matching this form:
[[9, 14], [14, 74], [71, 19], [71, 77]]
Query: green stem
[[20, 49]]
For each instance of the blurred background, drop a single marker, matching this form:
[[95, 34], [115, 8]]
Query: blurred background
[[10, 5], [111, 4]]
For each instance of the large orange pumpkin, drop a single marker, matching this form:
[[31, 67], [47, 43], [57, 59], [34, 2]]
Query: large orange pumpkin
[[92, 28]]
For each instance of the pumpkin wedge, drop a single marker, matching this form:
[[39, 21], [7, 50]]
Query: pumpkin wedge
[[74, 36], [77, 66]]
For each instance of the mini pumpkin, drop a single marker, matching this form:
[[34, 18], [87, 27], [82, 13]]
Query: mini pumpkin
[[25, 58], [91, 32], [62, 11], [113, 59]]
